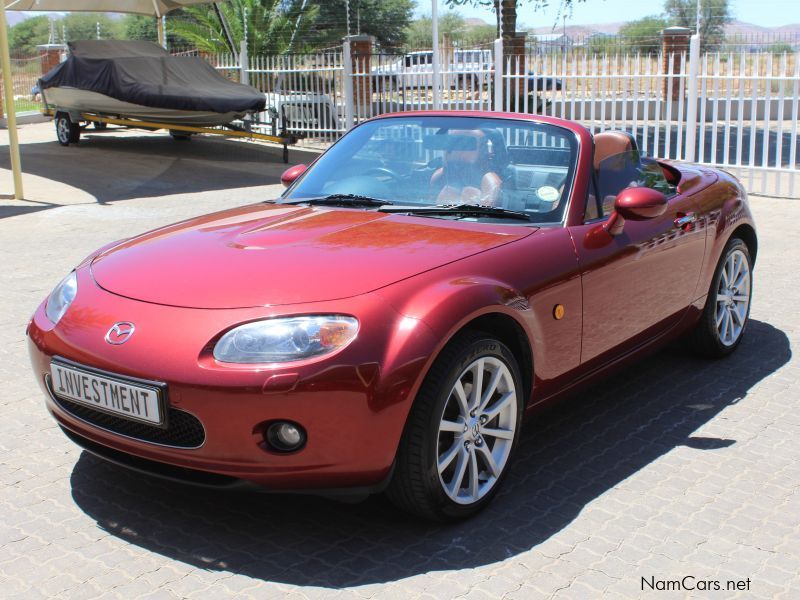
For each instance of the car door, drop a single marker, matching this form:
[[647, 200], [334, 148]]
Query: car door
[[637, 284]]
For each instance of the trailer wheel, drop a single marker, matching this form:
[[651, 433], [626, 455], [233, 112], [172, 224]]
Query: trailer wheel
[[67, 132], [99, 124], [180, 136]]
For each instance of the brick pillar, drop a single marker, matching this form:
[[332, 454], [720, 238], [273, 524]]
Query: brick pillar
[[674, 40], [51, 56], [360, 54], [514, 48]]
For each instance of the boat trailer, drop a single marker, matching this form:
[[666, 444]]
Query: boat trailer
[[70, 122]]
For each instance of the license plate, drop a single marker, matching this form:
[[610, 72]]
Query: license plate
[[110, 394]]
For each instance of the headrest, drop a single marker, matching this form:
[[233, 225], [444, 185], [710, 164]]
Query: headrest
[[609, 143], [468, 157]]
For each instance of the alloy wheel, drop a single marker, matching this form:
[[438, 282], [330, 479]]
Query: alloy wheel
[[63, 130], [733, 298], [476, 430]]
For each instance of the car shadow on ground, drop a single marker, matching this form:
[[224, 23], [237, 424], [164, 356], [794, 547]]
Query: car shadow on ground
[[113, 167], [567, 458]]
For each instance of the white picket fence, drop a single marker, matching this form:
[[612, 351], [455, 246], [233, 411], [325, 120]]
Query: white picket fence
[[736, 111]]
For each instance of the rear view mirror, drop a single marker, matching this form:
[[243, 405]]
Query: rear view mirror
[[450, 142], [636, 204], [291, 174]]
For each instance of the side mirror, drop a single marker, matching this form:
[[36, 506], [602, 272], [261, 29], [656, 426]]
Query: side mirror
[[639, 203], [291, 174], [636, 204]]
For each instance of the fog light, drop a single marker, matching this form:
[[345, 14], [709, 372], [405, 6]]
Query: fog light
[[285, 437]]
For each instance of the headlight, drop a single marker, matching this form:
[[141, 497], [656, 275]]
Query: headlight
[[285, 339], [61, 297]]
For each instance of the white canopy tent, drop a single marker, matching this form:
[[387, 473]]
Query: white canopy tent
[[154, 8]]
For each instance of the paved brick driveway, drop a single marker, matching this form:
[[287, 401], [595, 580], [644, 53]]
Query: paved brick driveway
[[678, 467]]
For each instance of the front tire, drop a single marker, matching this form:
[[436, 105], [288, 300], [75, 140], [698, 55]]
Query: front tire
[[461, 432], [727, 310]]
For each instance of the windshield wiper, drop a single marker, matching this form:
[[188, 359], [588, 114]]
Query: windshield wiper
[[342, 200], [460, 209]]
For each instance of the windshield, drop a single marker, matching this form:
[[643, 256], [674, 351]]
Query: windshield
[[471, 56], [440, 160]]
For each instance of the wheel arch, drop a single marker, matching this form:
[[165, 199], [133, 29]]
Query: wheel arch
[[747, 234], [507, 330], [449, 307]]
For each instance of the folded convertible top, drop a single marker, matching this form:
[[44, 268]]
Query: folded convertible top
[[144, 73]]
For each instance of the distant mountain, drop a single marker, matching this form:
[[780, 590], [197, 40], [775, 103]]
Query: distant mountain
[[581, 30], [732, 28], [740, 27], [476, 22]]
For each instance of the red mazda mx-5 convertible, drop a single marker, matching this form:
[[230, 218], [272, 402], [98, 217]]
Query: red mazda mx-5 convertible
[[389, 320]]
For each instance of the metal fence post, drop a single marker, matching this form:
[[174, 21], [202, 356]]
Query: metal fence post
[[244, 64], [498, 74], [691, 108], [348, 86], [437, 68]]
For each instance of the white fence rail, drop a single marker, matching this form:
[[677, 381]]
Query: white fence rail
[[737, 111]]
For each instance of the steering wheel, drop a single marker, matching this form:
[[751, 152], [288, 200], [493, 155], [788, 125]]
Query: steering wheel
[[384, 171]]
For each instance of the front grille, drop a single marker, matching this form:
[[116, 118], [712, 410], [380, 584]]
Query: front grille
[[183, 431]]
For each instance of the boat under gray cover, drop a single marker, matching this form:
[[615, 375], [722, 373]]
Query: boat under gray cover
[[141, 80]]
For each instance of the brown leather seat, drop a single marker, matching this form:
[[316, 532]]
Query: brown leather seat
[[609, 143], [467, 175], [616, 175]]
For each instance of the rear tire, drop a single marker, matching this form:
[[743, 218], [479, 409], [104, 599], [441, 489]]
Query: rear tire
[[99, 125], [726, 313], [180, 136], [457, 445], [67, 132]]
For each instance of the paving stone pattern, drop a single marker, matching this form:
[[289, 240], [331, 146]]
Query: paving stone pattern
[[676, 467]]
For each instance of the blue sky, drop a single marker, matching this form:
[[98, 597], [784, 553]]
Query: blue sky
[[767, 13]]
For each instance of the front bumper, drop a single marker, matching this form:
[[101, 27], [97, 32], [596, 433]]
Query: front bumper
[[353, 405]]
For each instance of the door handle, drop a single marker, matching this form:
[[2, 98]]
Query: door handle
[[684, 220]]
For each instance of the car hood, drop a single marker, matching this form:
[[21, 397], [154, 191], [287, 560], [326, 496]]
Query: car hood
[[272, 254]]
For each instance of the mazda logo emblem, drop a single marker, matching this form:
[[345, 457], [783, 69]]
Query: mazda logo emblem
[[120, 333]]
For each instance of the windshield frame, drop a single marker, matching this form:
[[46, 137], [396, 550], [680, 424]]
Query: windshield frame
[[573, 174]]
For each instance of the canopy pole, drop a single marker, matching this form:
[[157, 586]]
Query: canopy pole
[[161, 37], [11, 115]]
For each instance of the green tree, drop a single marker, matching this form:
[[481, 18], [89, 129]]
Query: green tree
[[139, 27], [386, 20], [479, 35], [418, 33], [273, 26], [26, 35], [506, 14], [643, 35], [714, 15], [84, 26]]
